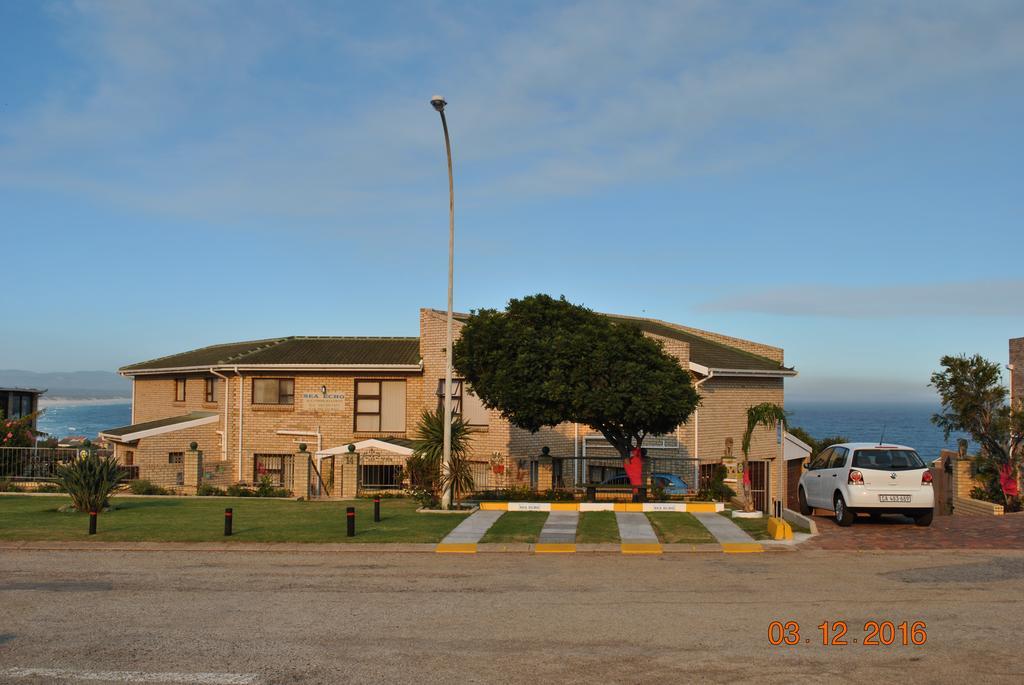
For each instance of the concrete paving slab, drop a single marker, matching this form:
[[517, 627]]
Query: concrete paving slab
[[723, 529], [635, 528], [560, 528], [472, 528]]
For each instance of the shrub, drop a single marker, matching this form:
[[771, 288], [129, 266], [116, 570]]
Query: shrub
[[717, 490], [48, 487], [7, 485], [266, 488], [428, 449], [89, 480], [145, 487], [207, 490], [427, 499], [514, 494], [238, 490]]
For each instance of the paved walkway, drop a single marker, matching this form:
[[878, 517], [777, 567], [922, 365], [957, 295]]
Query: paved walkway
[[729, 535], [465, 535], [898, 533], [559, 532], [636, 534]]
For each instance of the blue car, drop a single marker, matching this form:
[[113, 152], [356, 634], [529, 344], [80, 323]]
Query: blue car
[[671, 483]]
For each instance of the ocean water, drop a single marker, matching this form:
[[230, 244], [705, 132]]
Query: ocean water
[[905, 424], [63, 420]]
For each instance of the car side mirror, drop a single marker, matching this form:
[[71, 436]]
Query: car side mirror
[[807, 466]]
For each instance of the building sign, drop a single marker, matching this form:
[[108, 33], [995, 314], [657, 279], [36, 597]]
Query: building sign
[[323, 401]]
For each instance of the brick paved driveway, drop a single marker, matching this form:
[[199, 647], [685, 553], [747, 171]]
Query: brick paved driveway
[[946, 532]]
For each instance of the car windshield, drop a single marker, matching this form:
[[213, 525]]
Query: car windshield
[[887, 460]]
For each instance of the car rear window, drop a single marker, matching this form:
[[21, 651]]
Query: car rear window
[[887, 460]]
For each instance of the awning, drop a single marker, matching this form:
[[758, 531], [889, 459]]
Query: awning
[[394, 445], [148, 429]]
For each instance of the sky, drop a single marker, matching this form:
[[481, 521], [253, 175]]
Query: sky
[[841, 179]]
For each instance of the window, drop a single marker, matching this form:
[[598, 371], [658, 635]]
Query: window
[[464, 403], [380, 406], [179, 389], [838, 458], [888, 460], [175, 457], [278, 468], [129, 458], [273, 391], [211, 390], [821, 461]]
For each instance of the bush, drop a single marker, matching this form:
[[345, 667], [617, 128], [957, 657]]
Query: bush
[[238, 490], [90, 480], [48, 487], [427, 499], [513, 494], [207, 490], [717, 490], [145, 487], [266, 488], [6, 485]]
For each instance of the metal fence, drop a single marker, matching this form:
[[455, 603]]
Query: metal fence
[[279, 468], [39, 464], [379, 477]]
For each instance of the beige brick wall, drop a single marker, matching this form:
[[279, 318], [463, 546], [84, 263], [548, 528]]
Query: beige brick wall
[[1017, 375]]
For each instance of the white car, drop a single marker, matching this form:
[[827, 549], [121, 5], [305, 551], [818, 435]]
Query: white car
[[861, 477]]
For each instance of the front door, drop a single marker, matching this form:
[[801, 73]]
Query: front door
[[759, 485]]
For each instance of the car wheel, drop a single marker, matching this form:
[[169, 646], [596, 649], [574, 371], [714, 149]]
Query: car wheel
[[844, 516], [924, 519], [805, 508]]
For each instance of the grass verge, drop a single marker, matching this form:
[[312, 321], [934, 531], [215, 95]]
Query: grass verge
[[516, 526], [755, 528], [597, 527], [201, 519], [679, 528]]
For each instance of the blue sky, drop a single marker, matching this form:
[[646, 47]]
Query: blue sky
[[841, 179]]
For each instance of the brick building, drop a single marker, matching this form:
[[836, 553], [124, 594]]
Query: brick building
[[1017, 369], [355, 403]]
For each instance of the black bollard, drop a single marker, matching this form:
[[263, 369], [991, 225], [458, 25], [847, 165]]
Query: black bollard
[[92, 523], [350, 515], [376, 509], [228, 516]]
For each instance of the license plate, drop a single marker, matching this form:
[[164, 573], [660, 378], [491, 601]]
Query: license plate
[[894, 498]]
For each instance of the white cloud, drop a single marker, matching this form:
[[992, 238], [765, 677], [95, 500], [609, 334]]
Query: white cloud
[[192, 108], [945, 299]]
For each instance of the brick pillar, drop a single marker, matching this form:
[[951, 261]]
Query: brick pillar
[[963, 482], [300, 476], [350, 476], [193, 467]]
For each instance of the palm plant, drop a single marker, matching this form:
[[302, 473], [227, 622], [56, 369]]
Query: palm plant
[[90, 479], [428, 449], [765, 414]]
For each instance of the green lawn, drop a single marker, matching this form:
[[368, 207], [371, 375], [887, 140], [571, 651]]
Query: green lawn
[[756, 528], [678, 527], [597, 526], [201, 519], [517, 526]]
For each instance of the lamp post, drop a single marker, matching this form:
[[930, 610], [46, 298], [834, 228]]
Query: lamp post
[[446, 455]]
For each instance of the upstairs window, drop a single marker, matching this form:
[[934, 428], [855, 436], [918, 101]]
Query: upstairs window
[[211, 391], [273, 391], [380, 406], [179, 389], [464, 403]]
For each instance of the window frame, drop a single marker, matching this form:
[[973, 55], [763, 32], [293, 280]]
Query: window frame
[[457, 400], [182, 384], [210, 390], [380, 404], [279, 403], [175, 457]]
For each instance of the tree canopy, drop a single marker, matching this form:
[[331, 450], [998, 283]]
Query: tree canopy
[[544, 361]]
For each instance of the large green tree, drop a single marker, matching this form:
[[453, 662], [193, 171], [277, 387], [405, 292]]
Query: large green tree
[[544, 361], [975, 401]]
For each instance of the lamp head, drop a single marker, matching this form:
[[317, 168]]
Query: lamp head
[[438, 102]]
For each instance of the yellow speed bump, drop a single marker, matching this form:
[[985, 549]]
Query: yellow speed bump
[[554, 548], [565, 506], [456, 548], [741, 547], [701, 507], [640, 548], [494, 506]]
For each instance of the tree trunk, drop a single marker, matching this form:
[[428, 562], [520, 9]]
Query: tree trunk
[[748, 495]]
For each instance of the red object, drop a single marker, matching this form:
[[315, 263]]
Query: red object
[[1007, 481], [634, 467], [746, 476], [857, 478], [926, 477]]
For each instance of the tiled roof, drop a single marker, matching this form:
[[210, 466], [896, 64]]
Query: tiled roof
[[298, 350]]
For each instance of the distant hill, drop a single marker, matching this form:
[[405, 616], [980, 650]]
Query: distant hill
[[77, 385]]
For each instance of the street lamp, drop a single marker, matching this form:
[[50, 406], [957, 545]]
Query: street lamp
[[446, 455]]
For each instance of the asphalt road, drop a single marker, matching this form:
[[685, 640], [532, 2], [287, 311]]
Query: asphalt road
[[201, 617]]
